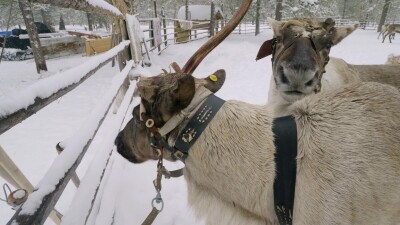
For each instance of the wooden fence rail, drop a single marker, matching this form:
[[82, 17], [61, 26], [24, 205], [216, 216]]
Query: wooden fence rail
[[40, 203], [12, 119]]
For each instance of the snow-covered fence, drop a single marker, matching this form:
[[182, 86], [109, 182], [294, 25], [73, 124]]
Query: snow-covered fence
[[29, 101], [168, 31], [42, 201]]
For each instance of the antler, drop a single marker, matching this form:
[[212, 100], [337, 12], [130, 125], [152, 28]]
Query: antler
[[213, 42]]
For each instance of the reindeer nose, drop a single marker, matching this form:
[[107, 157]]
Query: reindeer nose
[[297, 79], [118, 142]]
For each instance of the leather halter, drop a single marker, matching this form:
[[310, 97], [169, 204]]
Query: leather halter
[[269, 47], [291, 41], [197, 121]]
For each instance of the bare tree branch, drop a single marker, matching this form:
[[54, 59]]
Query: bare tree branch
[[83, 5]]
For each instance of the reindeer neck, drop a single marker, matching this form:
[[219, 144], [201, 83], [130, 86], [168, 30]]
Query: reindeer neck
[[234, 158]]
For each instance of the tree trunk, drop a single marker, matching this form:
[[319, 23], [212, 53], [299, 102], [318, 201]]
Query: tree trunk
[[186, 9], [155, 8], [278, 10], [344, 8], [90, 21], [258, 5], [61, 25], [47, 20], [8, 26], [212, 19], [27, 14], [384, 14]]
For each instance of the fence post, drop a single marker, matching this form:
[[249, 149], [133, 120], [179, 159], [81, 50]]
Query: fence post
[[13, 175], [212, 19], [165, 32], [151, 34]]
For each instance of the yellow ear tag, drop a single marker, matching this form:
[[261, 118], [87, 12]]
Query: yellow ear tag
[[213, 77]]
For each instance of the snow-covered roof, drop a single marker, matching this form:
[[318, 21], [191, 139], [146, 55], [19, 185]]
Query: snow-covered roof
[[198, 12]]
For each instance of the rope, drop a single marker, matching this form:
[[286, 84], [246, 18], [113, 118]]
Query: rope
[[5, 192]]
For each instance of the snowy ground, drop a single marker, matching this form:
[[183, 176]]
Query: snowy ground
[[127, 189]]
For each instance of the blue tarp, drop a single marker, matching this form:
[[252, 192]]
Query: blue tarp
[[3, 33]]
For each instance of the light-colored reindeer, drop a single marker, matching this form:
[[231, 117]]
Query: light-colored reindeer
[[391, 30], [302, 66], [348, 160], [383, 31]]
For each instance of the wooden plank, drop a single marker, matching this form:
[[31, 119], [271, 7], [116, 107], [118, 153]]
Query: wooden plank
[[94, 46], [135, 33], [57, 47], [49, 200], [81, 34]]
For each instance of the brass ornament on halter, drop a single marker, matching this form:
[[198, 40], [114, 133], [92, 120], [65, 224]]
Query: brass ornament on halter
[[149, 123]]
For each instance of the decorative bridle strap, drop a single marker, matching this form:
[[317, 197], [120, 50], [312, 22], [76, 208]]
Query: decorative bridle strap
[[269, 46], [199, 96], [197, 124]]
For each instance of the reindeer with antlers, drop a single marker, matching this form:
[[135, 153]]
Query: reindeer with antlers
[[346, 165]]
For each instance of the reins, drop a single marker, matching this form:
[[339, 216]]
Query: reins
[[158, 138], [158, 148]]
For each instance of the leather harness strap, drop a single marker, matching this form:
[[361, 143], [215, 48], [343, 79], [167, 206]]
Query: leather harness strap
[[285, 132]]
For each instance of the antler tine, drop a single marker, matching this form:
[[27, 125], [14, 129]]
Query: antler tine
[[176, 67], [213, 42]]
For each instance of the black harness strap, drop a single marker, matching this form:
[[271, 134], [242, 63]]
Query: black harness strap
[[285, 132], [196, 126]]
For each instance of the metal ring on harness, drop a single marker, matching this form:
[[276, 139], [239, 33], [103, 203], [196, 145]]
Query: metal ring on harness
[[158, 201], [149, 123]]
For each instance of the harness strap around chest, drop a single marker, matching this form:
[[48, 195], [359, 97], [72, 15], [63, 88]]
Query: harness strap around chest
[[285, 132]]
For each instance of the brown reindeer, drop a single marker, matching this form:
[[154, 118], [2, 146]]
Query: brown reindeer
[[391, 30]]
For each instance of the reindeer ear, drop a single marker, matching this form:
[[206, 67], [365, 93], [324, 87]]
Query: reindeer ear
[[147, 92], [276, 26], [183, 94], [328, 24], [339, 33], [213, 82]]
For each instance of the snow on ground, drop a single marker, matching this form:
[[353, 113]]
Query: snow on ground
[[126, 194]]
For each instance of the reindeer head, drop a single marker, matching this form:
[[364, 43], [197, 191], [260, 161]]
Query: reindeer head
[[162, 97], [300, 51], [165, 95]]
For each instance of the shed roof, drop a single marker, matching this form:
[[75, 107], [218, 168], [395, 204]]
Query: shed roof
[[199, 12]]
